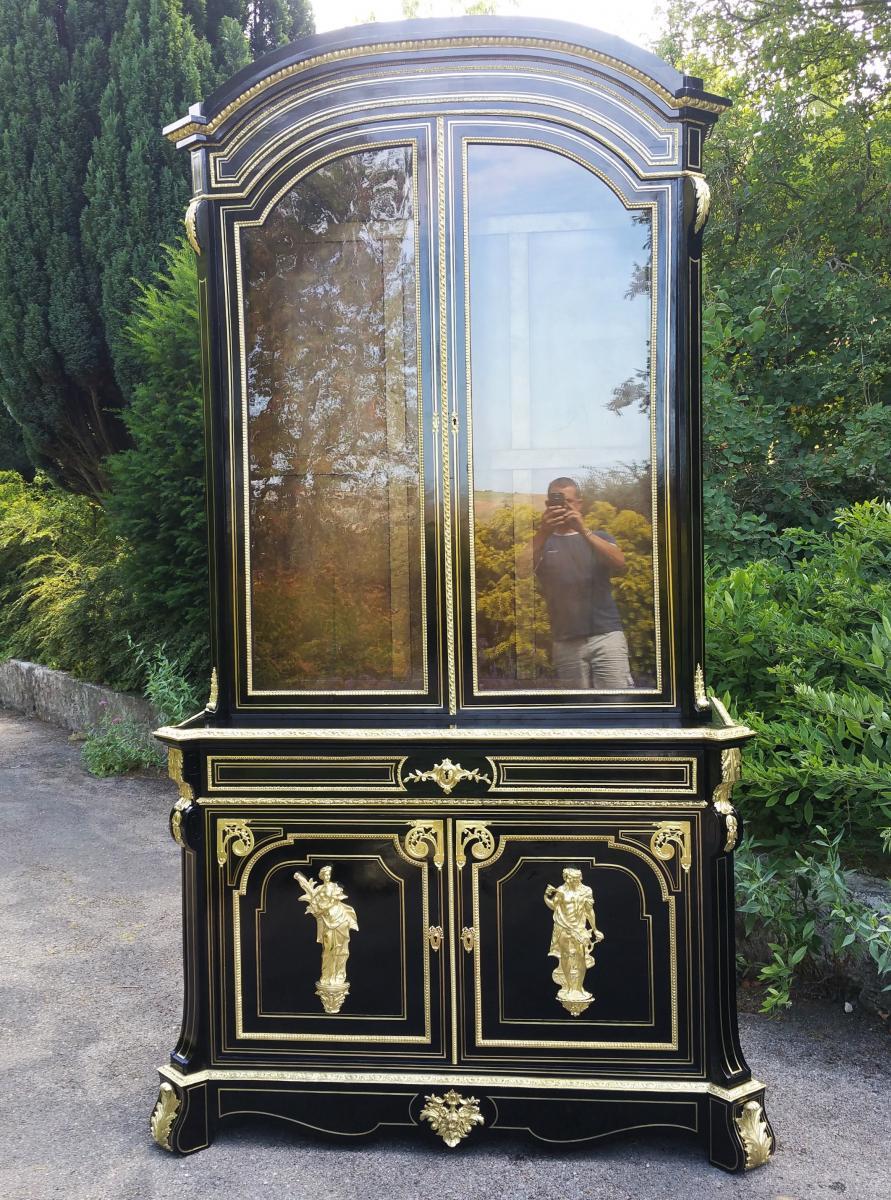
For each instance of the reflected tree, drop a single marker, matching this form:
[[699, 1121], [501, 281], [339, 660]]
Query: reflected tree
[[636, 388], [333, 429]]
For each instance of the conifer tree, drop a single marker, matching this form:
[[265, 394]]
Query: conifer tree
[[271, 23], [137, 187], [56, 377], [92, 192]]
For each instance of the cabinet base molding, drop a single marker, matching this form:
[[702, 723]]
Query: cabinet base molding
[[730, 1123]]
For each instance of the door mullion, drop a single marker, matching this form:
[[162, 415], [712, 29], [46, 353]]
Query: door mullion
[[443, 161]]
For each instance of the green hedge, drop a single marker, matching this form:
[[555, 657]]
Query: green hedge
[[801, 644]]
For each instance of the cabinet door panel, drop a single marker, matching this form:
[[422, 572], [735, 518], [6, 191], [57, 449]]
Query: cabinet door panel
[[582, 941], [323, 937]]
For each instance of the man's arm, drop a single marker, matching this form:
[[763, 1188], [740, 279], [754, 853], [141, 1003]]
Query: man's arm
[[608, 552]]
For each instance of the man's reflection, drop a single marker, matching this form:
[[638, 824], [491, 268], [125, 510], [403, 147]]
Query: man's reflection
[[574, 567]]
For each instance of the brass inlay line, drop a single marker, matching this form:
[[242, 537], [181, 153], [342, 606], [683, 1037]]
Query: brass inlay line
[[240, 892], [306, 778], [509, 774], [441, 165], [700, 1087], [306, 130], [666, 134], [453, 948], [226, 283], [646, 919], [653, 207], [731, 732], [656, 564], [667, 170], [552, 798], [292, 182], [579, 838]]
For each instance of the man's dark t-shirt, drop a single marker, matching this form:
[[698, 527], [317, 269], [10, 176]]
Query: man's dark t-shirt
[[576, 586]]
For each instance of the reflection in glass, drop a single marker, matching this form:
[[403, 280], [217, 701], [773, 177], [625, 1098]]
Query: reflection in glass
[[332, 380], [560, 315]]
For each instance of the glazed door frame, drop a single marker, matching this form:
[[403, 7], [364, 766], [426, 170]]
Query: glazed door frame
[[659, 199], [439, 145], [229, 219]]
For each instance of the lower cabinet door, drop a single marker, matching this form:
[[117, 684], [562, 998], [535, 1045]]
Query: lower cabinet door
[[581, 943], [327, 936]]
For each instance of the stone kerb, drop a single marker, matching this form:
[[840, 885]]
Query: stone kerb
[[58, 697]]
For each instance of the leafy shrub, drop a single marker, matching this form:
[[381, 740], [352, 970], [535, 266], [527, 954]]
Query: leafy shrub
[[122, 745], [798, 900], [172, 694], [118, 747], [795, 384], [802, 641], [62, 599]]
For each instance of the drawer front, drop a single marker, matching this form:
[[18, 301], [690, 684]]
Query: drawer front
[[581, 946], [329, 775], [462, 774], [325, 936]]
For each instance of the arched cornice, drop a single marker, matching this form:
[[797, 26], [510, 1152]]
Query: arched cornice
[[458, 40]]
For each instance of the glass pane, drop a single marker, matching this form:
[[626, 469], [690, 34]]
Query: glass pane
[[560, 316], [336, 566]]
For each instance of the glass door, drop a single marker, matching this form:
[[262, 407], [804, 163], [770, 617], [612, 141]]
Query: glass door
[[338, 489], [559, 391]]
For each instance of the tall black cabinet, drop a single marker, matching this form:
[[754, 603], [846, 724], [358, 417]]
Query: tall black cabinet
[[456, 823]]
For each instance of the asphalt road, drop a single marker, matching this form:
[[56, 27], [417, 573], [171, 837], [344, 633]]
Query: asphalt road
[[90, 1005]]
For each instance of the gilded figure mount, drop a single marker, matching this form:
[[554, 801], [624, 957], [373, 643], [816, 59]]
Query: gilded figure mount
[[573, 939], [334, 920]]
